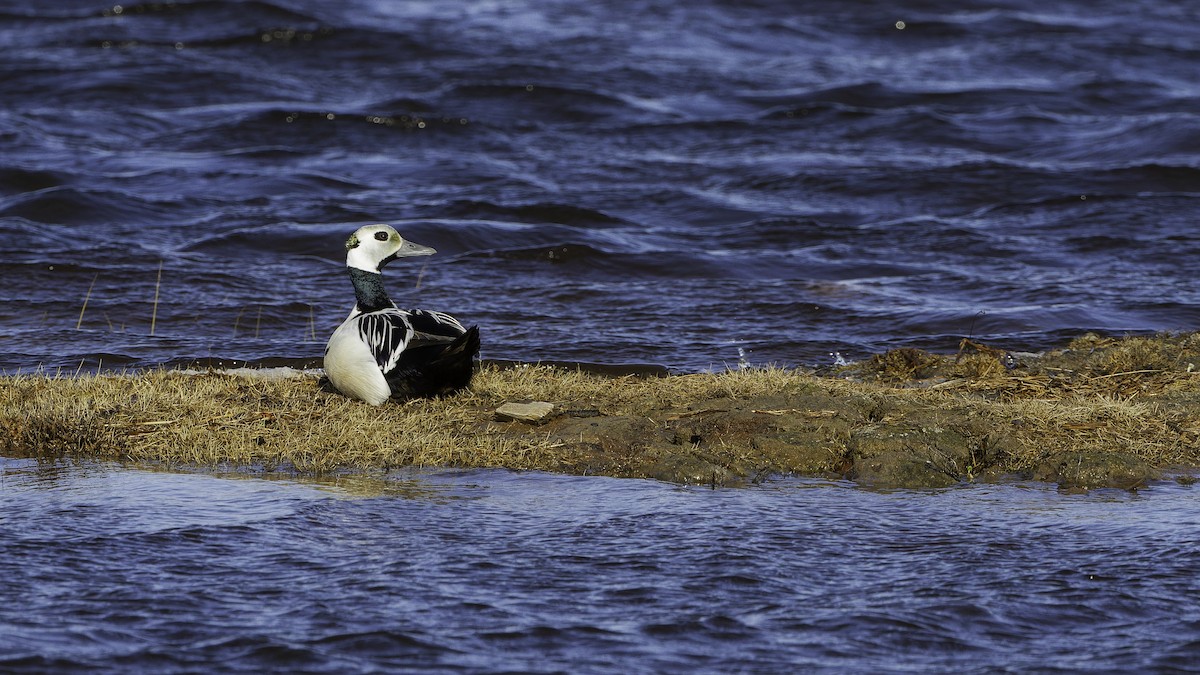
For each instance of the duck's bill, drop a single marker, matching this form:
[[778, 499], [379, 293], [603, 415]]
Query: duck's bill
[[410, 249]]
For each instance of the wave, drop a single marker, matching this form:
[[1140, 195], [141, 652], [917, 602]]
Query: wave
[[543, 212], [532, 100], [77, 206], [254, 241], [15, 181]]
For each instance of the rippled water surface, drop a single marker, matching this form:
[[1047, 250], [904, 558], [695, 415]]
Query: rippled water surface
[[119, 569], [685, 184]]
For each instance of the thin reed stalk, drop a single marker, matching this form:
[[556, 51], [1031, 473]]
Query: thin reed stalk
[[85, 301], [421, 274], [154, 311]]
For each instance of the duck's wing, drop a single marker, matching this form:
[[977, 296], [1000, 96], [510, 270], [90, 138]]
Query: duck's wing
[[436, 369], [432, 327], [387, 334]]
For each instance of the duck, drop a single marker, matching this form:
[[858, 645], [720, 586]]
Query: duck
[[381, 352]]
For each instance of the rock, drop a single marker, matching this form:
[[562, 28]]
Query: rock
[[901, 470], [537, 412], [1084, 470], [800, 452]]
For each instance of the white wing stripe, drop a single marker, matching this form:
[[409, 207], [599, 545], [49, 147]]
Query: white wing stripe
[[386, 333], [434, 323], [442, 317]]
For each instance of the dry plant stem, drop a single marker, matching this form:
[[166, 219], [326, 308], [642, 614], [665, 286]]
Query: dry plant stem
[[421, 275], [154, 311], [85, 301]]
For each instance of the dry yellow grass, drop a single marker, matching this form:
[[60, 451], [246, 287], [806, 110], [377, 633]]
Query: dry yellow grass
[[1102, 411]]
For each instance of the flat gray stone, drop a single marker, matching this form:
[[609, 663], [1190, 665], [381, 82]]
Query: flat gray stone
[[536, 412]]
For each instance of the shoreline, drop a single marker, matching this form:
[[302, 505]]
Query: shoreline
[[1100, 412]]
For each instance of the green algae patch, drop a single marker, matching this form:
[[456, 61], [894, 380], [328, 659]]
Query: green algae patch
[[1102, 412]]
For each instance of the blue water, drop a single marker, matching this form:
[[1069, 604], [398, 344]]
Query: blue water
[[127, 570], [612, 182], [620, 182]]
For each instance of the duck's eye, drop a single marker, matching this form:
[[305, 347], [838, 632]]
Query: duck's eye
[[382, 236]]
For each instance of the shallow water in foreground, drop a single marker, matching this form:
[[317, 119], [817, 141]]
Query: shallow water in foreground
[[110, 568]]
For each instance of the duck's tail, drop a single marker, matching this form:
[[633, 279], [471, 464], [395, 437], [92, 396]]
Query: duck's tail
[[436, 371]]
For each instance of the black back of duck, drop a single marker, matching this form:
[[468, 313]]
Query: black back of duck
[[437, 369]]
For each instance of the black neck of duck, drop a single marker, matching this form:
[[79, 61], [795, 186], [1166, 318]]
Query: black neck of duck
[[368, 290]]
